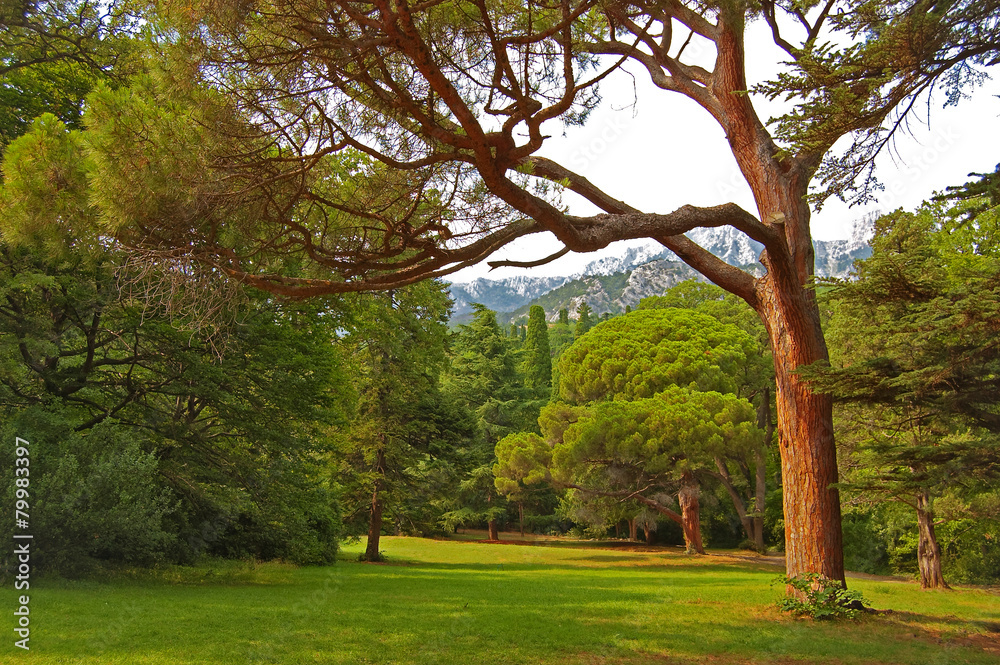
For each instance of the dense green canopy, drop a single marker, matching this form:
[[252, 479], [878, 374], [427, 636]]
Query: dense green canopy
[[641, 354]]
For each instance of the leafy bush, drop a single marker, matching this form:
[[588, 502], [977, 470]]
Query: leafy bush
[[821, 598], [302, 526], [866, 548], [551, 525], [972, 551], [93, 497]]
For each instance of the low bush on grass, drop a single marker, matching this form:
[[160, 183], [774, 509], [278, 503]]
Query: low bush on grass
[[821, 598]]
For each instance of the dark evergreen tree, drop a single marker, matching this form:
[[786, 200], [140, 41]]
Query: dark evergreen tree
[[915, 359], [398, 345], [538, 357], [484, 375]]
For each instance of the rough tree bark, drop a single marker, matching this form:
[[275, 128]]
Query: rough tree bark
[[633, 530], [811, 503], [928, 549], [787, 306], [690, 513]]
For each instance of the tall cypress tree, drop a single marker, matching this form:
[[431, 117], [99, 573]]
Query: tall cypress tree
[[538, 358], [584, 323]]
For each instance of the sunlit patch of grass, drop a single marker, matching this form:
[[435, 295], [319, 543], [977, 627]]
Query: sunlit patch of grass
[[557, 602]]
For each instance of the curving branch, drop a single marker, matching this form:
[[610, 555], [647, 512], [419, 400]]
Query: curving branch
[[529, 264]]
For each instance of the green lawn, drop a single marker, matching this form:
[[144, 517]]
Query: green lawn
[[468, 603]]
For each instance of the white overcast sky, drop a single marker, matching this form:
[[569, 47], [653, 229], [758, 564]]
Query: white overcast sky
[[666, 152]]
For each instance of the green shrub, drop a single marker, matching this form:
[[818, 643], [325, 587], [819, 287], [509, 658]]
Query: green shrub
[[93, 496], [548, 525], [971, 551], [822, 598]]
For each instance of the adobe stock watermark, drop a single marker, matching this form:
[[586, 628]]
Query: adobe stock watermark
[[22, 540], [591, 151]]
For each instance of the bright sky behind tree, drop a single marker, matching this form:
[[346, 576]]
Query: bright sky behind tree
[[625, 150]]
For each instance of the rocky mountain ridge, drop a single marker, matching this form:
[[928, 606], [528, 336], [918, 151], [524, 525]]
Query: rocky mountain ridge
[[611, 283]]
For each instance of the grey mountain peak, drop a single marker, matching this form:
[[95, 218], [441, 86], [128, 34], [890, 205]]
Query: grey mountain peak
[[611, 283]]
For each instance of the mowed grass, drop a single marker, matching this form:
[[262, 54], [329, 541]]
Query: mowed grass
[[555, 602]]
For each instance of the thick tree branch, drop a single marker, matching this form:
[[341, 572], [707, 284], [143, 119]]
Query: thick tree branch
[[721, 273], [529, 264]]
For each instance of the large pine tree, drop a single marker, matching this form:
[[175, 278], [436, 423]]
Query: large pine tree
[[387, 143]]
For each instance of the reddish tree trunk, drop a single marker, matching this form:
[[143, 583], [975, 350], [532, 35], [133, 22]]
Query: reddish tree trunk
[[494, 532], [375, 524], [690, 513], [786, 303], [813, 539], [633, 530], [648, 533], [520, 517], [928, 549]]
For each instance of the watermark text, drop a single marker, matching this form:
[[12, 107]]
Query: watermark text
[[22, 540]]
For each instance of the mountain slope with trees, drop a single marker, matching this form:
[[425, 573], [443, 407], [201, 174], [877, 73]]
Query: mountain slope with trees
[[617, 282]]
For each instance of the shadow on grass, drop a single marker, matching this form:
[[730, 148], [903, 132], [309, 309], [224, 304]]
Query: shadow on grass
[[986, 626], [711, 573], [411, 612]]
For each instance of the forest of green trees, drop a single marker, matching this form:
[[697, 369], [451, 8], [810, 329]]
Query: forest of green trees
[[225, 321], [289, 426]]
